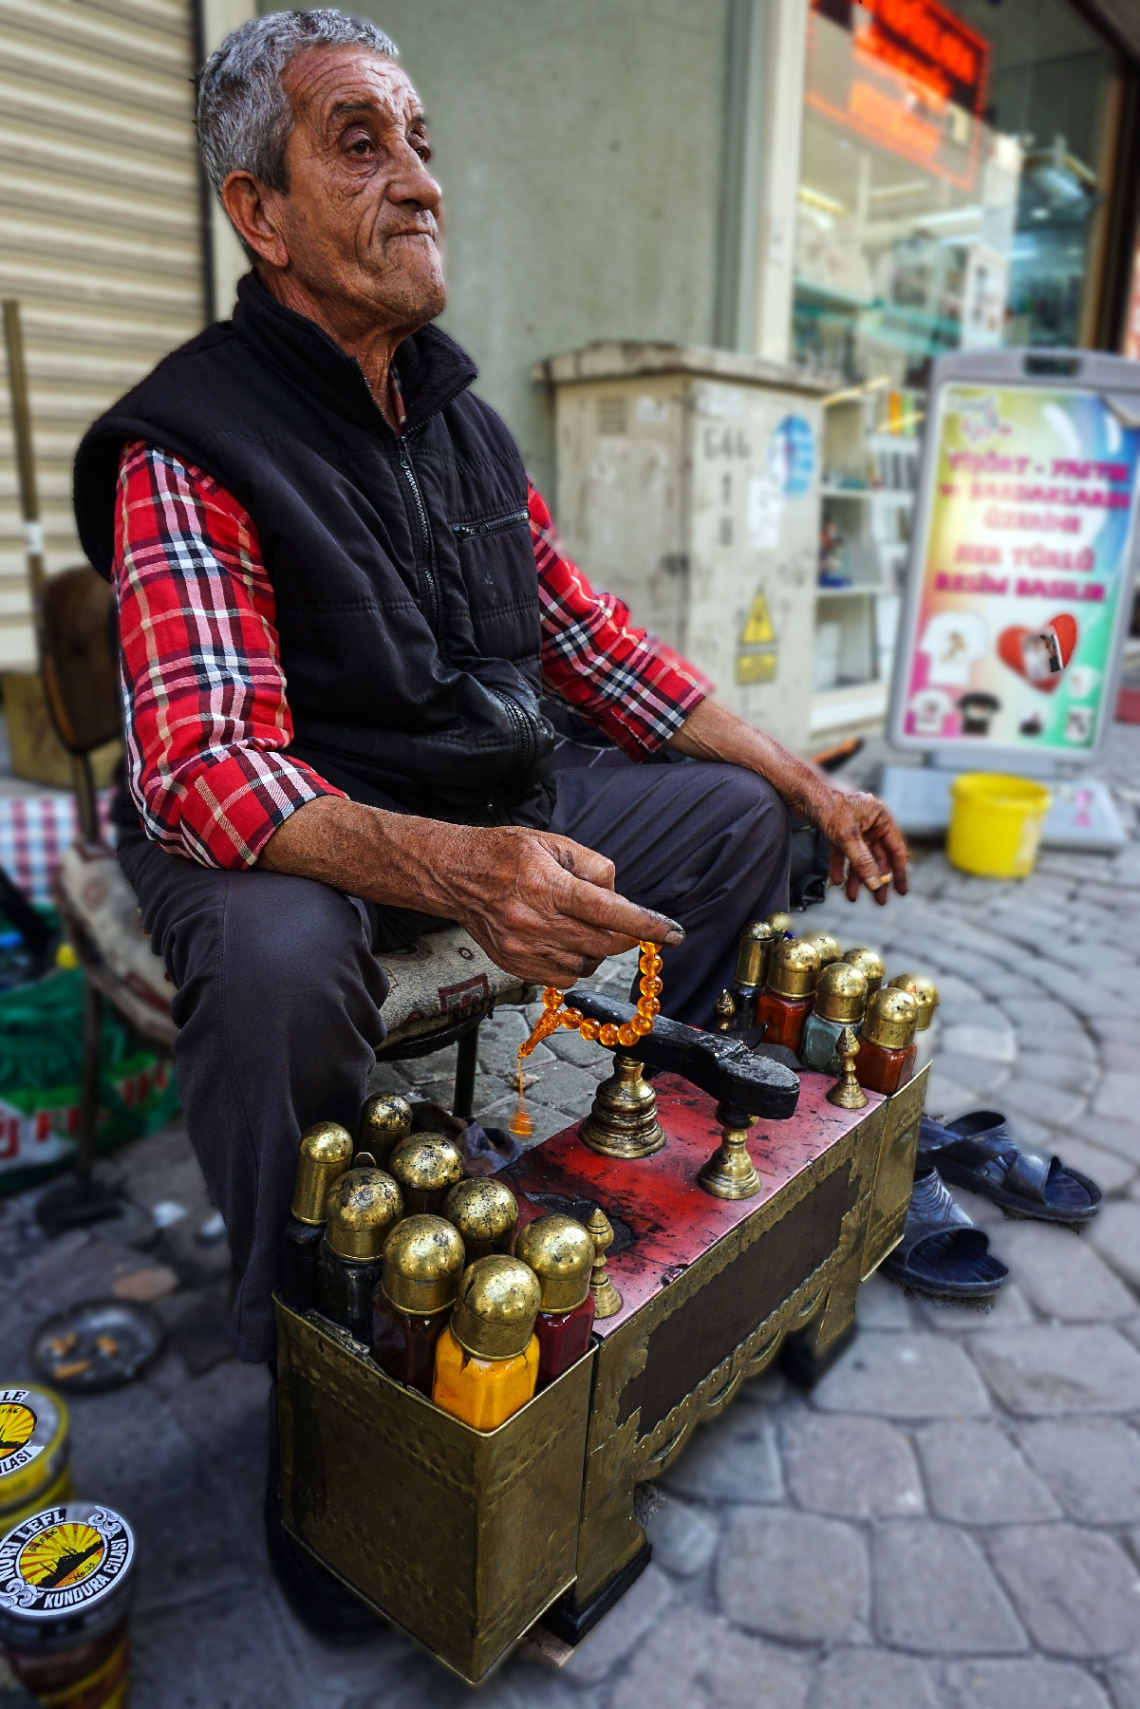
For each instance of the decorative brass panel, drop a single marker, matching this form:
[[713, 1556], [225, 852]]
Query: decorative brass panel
[[791, 1268], [894, 1174], [460, 1538]]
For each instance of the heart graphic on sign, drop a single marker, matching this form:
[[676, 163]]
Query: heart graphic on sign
[[1040, 655]]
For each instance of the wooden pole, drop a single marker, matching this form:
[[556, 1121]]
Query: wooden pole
[[25, 456]]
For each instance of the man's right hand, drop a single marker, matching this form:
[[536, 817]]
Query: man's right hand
[[544, 908]]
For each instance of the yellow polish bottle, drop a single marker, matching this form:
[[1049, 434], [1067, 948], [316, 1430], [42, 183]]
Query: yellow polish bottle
[[486, 1360]]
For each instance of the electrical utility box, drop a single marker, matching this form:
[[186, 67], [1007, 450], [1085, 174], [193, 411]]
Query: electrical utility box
[[689, 485]]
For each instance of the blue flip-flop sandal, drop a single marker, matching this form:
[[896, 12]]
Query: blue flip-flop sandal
[[941, 1253], [981, 1152]]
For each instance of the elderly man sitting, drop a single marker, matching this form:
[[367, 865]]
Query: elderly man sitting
[[340, 603]]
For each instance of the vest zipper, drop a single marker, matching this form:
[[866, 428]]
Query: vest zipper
[[493, 525], [431, 587]]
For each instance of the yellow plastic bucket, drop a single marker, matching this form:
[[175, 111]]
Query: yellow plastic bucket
[[995, 824]]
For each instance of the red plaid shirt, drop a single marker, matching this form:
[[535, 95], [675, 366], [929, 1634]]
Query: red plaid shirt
[[208, 727]]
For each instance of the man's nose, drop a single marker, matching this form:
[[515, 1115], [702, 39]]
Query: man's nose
[[414, 183]]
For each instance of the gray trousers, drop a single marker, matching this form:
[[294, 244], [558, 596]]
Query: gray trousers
[[279, 996]]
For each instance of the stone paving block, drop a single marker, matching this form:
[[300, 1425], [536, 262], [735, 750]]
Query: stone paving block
[[1076, 1590], [1071, 1073], [565, 1086], [1121, 1137], [850, 1467], [1045, 1371], [225, 1414], [1112, 1173], [989, 1043], [1116, 1236], [499, 1039], [231, 1654], [1092, 1465], [976, 1074], [1122, 1675], [572, 1047], [977, 1476], [793, 1576], [1040, 1102], [934, 1593], [1009, 1308], [1040, 1017], [546, 1120], [684, 1539], [870, 1679], [732, 1459], [946, 1100], [904, 1376], [1118, 1096], [692, 1646], [1063, 1275], [1029, 1684], [619, 1630], [880, 1305], [1120, 1055], [77, 1266]]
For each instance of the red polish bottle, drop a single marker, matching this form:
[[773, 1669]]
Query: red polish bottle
[[785, 1002], [561, 1254]]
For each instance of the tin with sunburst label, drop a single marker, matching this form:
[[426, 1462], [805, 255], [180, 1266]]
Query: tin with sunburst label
[[64, 1591], [35, 1468]]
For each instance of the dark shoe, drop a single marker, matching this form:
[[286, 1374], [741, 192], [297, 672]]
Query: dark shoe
[[325, 1606], [982, 1153], [941, 1253]]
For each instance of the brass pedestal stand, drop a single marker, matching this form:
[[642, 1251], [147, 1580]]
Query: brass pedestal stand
[[623, 1122]]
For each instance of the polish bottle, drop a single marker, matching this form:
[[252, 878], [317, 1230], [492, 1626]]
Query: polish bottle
[[486, 1360], [485, 1213], [782, 924], [826, 947], [886, 1048], [385, 1120], [840, 1000], [561, 1254], [925, 993], [427, 1166], [326, 1152], [423, 1261], [752, 959], [785, 1003], [362, 1208], [870, 965]]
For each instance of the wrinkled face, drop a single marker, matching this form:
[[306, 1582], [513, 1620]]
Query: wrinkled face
[[359, 217]]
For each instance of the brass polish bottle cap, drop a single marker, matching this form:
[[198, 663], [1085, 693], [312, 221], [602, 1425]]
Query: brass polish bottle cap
[[326, 1152], [498, 1301], [485, 1212], [826, 946], [793, 968], [891, 1019], [426, 1165], [756, 942], [385, 1120], [870, 965], [840, 993], [561, 1254], [423, 1261], [925, 993], [360, 1210], [780, 923]]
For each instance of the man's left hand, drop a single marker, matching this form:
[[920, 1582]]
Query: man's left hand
[[867, 846]]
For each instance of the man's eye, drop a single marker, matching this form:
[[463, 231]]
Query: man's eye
[[422, 148], [362, 146]]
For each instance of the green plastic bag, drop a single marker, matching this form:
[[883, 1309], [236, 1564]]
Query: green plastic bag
[[41, 1057]]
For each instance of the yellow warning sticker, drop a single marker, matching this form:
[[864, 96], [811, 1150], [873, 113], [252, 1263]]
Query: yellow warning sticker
[[756, 667], [758, 628]]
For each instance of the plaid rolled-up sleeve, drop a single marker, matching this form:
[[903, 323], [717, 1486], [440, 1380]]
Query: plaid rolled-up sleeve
[[594, 659], [205, 714]]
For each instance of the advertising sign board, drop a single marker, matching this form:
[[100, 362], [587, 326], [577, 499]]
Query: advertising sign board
[[1023, 567]]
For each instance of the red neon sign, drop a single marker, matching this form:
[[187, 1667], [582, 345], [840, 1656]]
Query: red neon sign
[[906, 74]]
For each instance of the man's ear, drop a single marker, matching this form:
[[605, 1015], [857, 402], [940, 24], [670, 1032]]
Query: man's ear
[[251, 210]]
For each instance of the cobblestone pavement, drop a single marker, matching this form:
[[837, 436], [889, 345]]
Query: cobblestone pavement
[[951, 1520]]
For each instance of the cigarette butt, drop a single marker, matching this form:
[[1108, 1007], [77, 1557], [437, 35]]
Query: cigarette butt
[[75, 1369], [878, 883]]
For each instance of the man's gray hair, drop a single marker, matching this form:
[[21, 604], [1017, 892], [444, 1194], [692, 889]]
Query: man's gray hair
[[244, 117]]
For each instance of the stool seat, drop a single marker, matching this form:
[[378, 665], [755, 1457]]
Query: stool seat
[[439, 981]]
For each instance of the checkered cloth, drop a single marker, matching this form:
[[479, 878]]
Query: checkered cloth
[[34, 832]]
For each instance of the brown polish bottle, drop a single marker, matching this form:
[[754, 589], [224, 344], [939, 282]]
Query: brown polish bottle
[[886, 1048], [411, 1304], [785, 1003]]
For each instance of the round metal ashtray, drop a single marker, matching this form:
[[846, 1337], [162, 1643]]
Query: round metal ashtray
[[98, 1345]]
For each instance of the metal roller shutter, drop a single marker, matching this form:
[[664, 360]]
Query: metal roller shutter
[[100, 235]]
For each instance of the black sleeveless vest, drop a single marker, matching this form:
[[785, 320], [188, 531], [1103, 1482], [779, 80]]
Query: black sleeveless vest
[[402, 565]]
